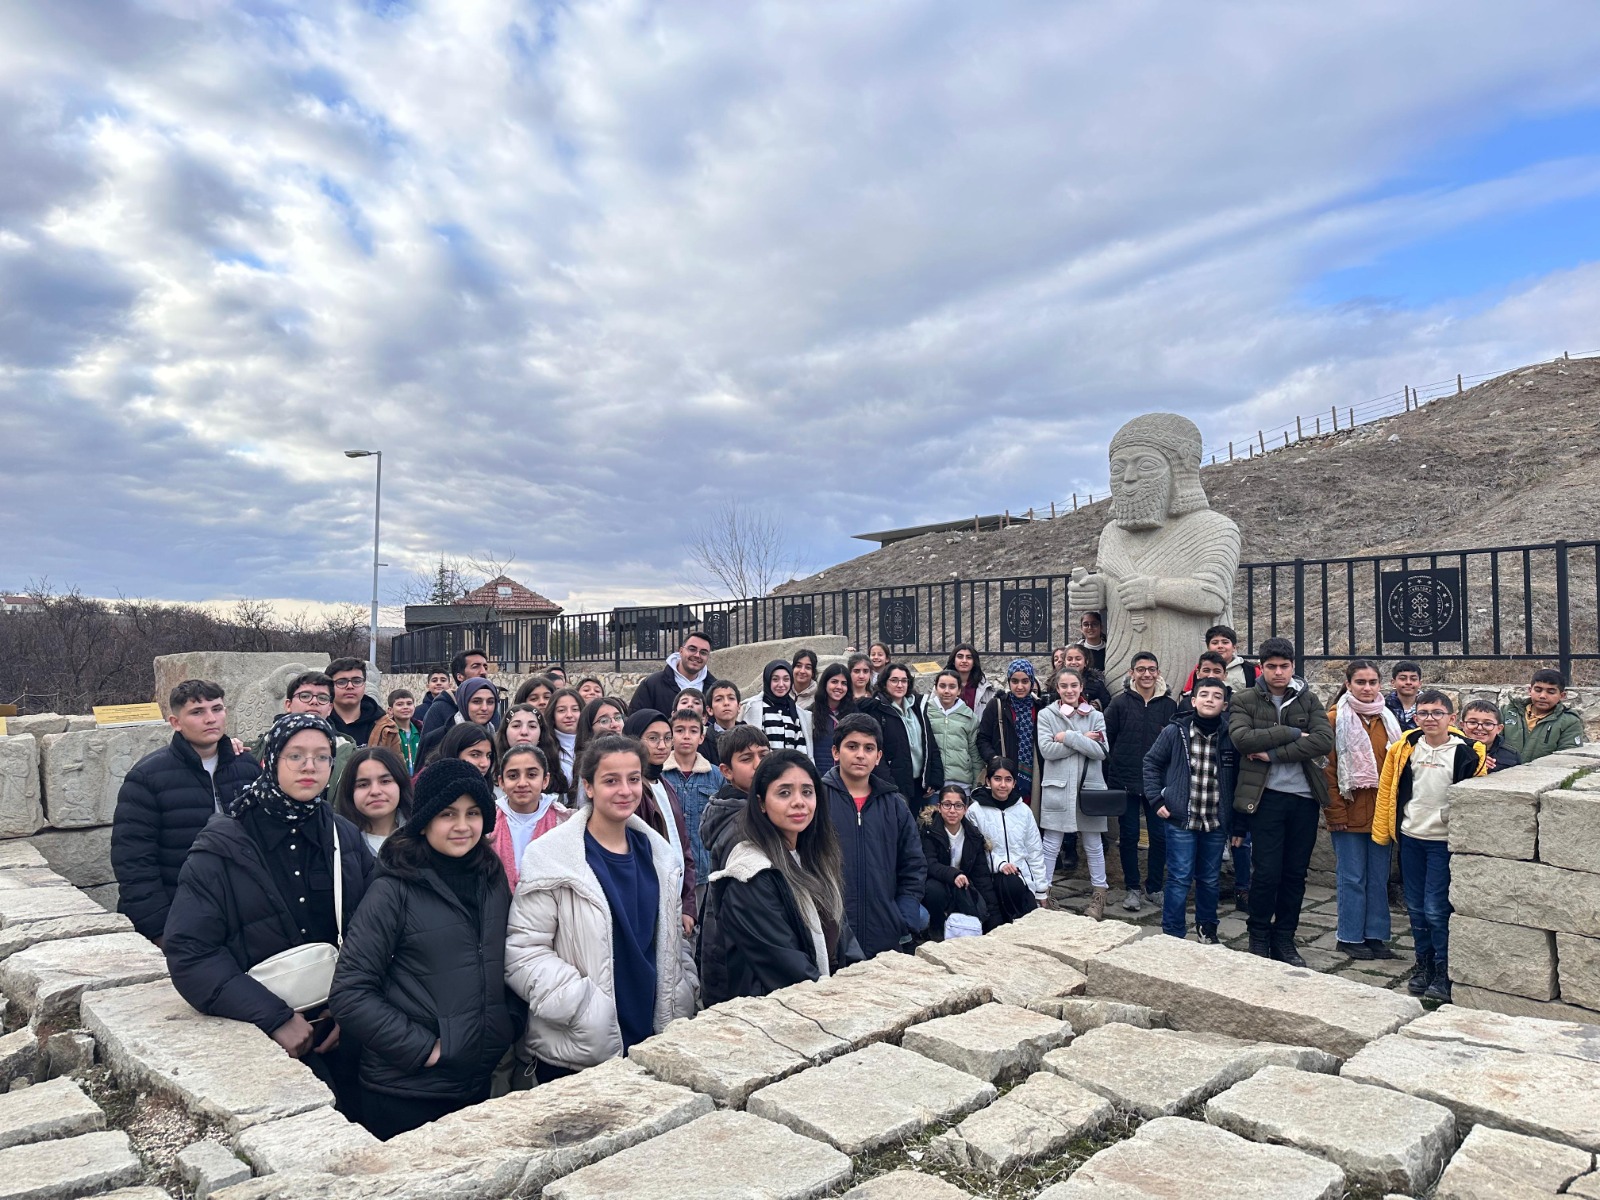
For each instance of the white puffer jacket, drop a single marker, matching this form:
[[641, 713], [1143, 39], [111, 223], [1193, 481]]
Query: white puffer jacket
[[1013, 837], [559, 952]]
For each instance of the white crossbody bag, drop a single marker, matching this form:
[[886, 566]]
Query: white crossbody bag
[[302, 976]]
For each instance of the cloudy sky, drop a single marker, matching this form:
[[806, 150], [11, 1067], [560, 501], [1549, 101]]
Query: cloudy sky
[[584, 271]]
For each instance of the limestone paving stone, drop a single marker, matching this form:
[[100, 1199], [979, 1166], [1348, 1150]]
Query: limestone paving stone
[[209, 1167], [721, 1156], [1171, 1157], [31, 877], [1241, 995], [67, 1053], [1067, 936], [44, 904], [1494, 1165], [1504, 958], [871, 1098], [1162, 1072], [1578, 965], [1037, 1119], [1453, 1023], [136, 1193], [1499, 814], [83, 771], [227, 1071], [20, 937], [21, 801], [309, 1142], [18, 853], [55, 1109], [48, 978], [1569, 830], [1466, 996], [1543, 1095], [69, 1167], [1525, 893], [81, 857], [475, 1179], [877, 1000], [1084, 1013], [994, 1041], [1015, 974], [1587, 1187], [19, 1055], [1381, 1138], [906, 1185]]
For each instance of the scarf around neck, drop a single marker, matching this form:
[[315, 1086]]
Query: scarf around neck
[[1358, 765], [263, 791]]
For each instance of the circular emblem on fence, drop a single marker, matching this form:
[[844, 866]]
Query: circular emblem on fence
[[1423, 606], [1025, 617]]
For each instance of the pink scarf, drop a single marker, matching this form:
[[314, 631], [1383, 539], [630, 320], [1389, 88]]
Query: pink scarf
[[1358, 766]]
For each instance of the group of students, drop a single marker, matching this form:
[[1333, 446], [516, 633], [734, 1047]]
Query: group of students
[[509, 889]]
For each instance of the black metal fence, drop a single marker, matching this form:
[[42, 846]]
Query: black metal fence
[[1500, 603]]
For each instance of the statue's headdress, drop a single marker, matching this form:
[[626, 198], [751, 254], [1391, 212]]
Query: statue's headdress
[[1178, 438]]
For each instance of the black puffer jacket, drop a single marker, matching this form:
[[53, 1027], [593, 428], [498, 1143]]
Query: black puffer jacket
[[417, 967], [884, 872], [1132, 726], [974, 862], [896, 762], [721, 828], [229, 915], [164, 802]]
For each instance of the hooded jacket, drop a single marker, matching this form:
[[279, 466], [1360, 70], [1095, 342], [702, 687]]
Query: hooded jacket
[[228, 915], [693, 790], [765, 938], [359, 730], [1394, 786], [386, 733], [896, 764], [955, 730], [164, 802], [1300, 735], [975, 850], [1561, 730], [884, 871], [559, 956], [1012, 834], [721, 828], [1132, 726], [658, 691], [1167, 780], [418, 967]]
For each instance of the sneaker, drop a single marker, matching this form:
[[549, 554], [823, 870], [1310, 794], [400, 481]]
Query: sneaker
[[1283, 949], [1379, 948], [1359, 950], [1134, 900], [1241, 900], [1097, 906], [1208, 935]]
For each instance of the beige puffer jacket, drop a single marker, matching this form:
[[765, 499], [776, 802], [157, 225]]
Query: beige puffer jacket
[[559, 954]]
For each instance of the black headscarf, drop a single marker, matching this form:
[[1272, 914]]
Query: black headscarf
[[785, 703], [263, 792], [635, 726]]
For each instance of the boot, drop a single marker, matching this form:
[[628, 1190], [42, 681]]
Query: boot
[[1356, 950], [1260, 945], [1439, 985], [1421, 974], [1097, 906], [1379, 948], [1284, 951]]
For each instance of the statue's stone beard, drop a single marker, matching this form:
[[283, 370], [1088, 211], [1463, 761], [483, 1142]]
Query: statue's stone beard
[[1145, 507]]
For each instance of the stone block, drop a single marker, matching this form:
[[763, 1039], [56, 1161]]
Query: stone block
[[55, 1109], [477, 1179], [744, 664], [105, 895], [1225, 991], [20, 937], [82, 857], [69, 1167], [1039, 1118], [1162, 1072], [1016, 974], [44, 904], [1494, 1165], [1519, 1006], [225, 1071], [36, 724], [1067, 936], [22, 878], [1084, 1013], [906, 1185], [19, 1056], [312, 1141], [252, 683], [997, 1042], [1525, 893], [870, 1098], [209, 1167], [1454, 1023], [721, 1156], [81, 772], [47, 978], [70, 1052], [1542, 1095], [19, 854], [1381, 1138], [1588, 1187], [879, 999], [136, 1193], [1504, 958], [1498, 814], [21, 800], [1578, 965], [1569, 830], [1172, 1157]]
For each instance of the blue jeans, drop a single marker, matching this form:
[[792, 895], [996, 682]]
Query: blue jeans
[[1128, 845], [1191, 858], [1363, 875], [1425, 871], [1241, 853]]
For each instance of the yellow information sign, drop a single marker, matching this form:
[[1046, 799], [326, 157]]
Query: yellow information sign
[[127, 714], [927, 668], [2, 727]]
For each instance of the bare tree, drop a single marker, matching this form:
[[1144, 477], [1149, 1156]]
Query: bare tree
[[451, 578], [741, 550]]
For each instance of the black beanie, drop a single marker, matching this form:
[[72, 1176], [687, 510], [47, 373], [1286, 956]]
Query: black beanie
[[440, 785]]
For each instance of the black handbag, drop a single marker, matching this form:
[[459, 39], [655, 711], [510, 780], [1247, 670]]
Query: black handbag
[[1102, 802]]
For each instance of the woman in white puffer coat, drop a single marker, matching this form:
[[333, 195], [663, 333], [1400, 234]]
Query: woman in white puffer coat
[[1016, 851]]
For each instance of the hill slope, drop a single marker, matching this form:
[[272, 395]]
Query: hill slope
[[1512, 461]]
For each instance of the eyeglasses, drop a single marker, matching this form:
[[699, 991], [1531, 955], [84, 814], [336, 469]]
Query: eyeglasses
[[1432, 715], [953, 805], [295, 758], [1481, 723], [313, 698], [1147, 670], [611, 721], [657, 739], [348, 684]]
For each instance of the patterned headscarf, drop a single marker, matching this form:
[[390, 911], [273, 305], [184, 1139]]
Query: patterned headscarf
[[263, 792], [1022, 716]]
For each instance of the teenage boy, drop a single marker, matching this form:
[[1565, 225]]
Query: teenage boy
[[1414, 802], [1134, 719], [1213, 666], [739, 753], [1189, 776], [722, 704], [354, 712], [1237, 671], [686, 668], [438, 684], [469, 664], [167, 797], [884, 870], [1543, 723], [1210, 666], [1480, 721], [397, 731], [1406, 676], [1280, 730], [1093, 628], [694, 781], [312, 693]]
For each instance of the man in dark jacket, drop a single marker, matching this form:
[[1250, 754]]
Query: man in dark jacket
[[686, 668], [1282, 732], [438, 685], [884, 871], [167, 798], [354, 712], [469, 664], [1134, 719]]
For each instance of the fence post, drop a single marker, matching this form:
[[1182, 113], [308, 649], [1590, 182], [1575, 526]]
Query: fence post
[[1351, 424], [616, 645], [1230, 451], [1052, 510], [1262, 438], [1335, 411], [1285, 439], [1298, 432], [1299, 606], [1458, 383], [1563, 611], [957, 606]]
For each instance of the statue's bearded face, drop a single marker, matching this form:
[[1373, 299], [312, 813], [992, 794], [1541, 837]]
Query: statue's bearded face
[[1141, 487]]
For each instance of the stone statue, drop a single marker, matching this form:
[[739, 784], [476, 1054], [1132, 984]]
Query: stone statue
[[1166, 561]]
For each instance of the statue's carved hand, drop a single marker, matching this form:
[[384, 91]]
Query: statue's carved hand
[[1086, 592], [1137, 592]]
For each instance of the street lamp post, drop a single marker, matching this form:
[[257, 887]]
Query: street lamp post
[[377, 516]]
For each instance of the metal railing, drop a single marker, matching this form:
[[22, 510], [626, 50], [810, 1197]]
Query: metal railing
[[1506, 603]]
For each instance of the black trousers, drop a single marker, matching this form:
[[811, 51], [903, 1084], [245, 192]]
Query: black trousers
[[387, 1116], [941, 899], [1016, 899], [1283, 832]]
